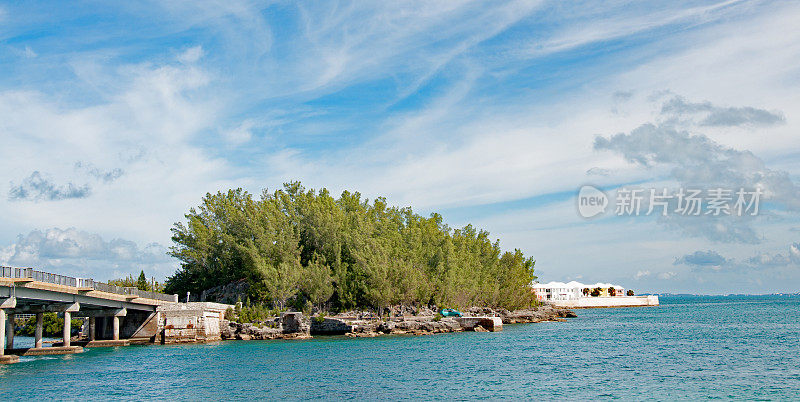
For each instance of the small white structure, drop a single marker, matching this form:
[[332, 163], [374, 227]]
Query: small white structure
[[190, 322], [559, 291]]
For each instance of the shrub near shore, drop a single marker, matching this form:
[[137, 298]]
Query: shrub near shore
[[52, 325], [303, 248]]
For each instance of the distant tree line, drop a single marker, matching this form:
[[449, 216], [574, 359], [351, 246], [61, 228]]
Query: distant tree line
[[140, 283], [301, 247]]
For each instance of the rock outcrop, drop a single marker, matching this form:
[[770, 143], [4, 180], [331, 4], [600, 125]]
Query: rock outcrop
[[230, 293], [424, 326], [294, 325], [537, 314], [330, 326]]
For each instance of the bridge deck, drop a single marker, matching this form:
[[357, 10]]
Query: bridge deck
[[22, 288], [68, 284]]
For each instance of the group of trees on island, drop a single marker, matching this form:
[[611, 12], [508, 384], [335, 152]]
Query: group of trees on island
[[306, 248], [141, 282]]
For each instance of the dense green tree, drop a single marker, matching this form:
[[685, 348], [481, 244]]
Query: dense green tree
[[141, 283], [297, 246], [316, 283]]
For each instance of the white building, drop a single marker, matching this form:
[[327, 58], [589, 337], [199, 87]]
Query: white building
[[574, 290]]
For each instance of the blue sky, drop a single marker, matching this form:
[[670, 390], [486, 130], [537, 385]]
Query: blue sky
[[115, 118]]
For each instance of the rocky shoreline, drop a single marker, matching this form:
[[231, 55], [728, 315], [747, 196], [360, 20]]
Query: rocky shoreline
[[403, 321]]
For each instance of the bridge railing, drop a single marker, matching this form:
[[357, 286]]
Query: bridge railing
[[50, 278], [149, 295], [104, 287], [30, 273]]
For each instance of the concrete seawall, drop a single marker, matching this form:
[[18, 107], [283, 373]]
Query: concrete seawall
[[609, 301]]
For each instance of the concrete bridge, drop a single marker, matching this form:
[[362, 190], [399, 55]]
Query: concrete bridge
[[115, 314]]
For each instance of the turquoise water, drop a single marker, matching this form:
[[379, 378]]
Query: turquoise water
[[687, 348]]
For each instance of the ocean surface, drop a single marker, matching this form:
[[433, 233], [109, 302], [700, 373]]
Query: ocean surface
[[740, 347]]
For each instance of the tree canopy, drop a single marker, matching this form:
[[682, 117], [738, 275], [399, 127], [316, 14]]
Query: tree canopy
[[306, 247], [140, 283]]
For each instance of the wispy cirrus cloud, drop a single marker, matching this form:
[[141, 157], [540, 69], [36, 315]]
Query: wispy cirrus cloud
[[623, 21]]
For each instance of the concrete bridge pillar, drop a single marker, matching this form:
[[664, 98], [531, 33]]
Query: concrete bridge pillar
[[116, 328], [2, 332], [92, 327], [10, 302], [38, 333], [67, 327], [68, 310], [118, 314], [10, 330]]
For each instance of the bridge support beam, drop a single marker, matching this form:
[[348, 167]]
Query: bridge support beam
[[39, 327], [10, 302]]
